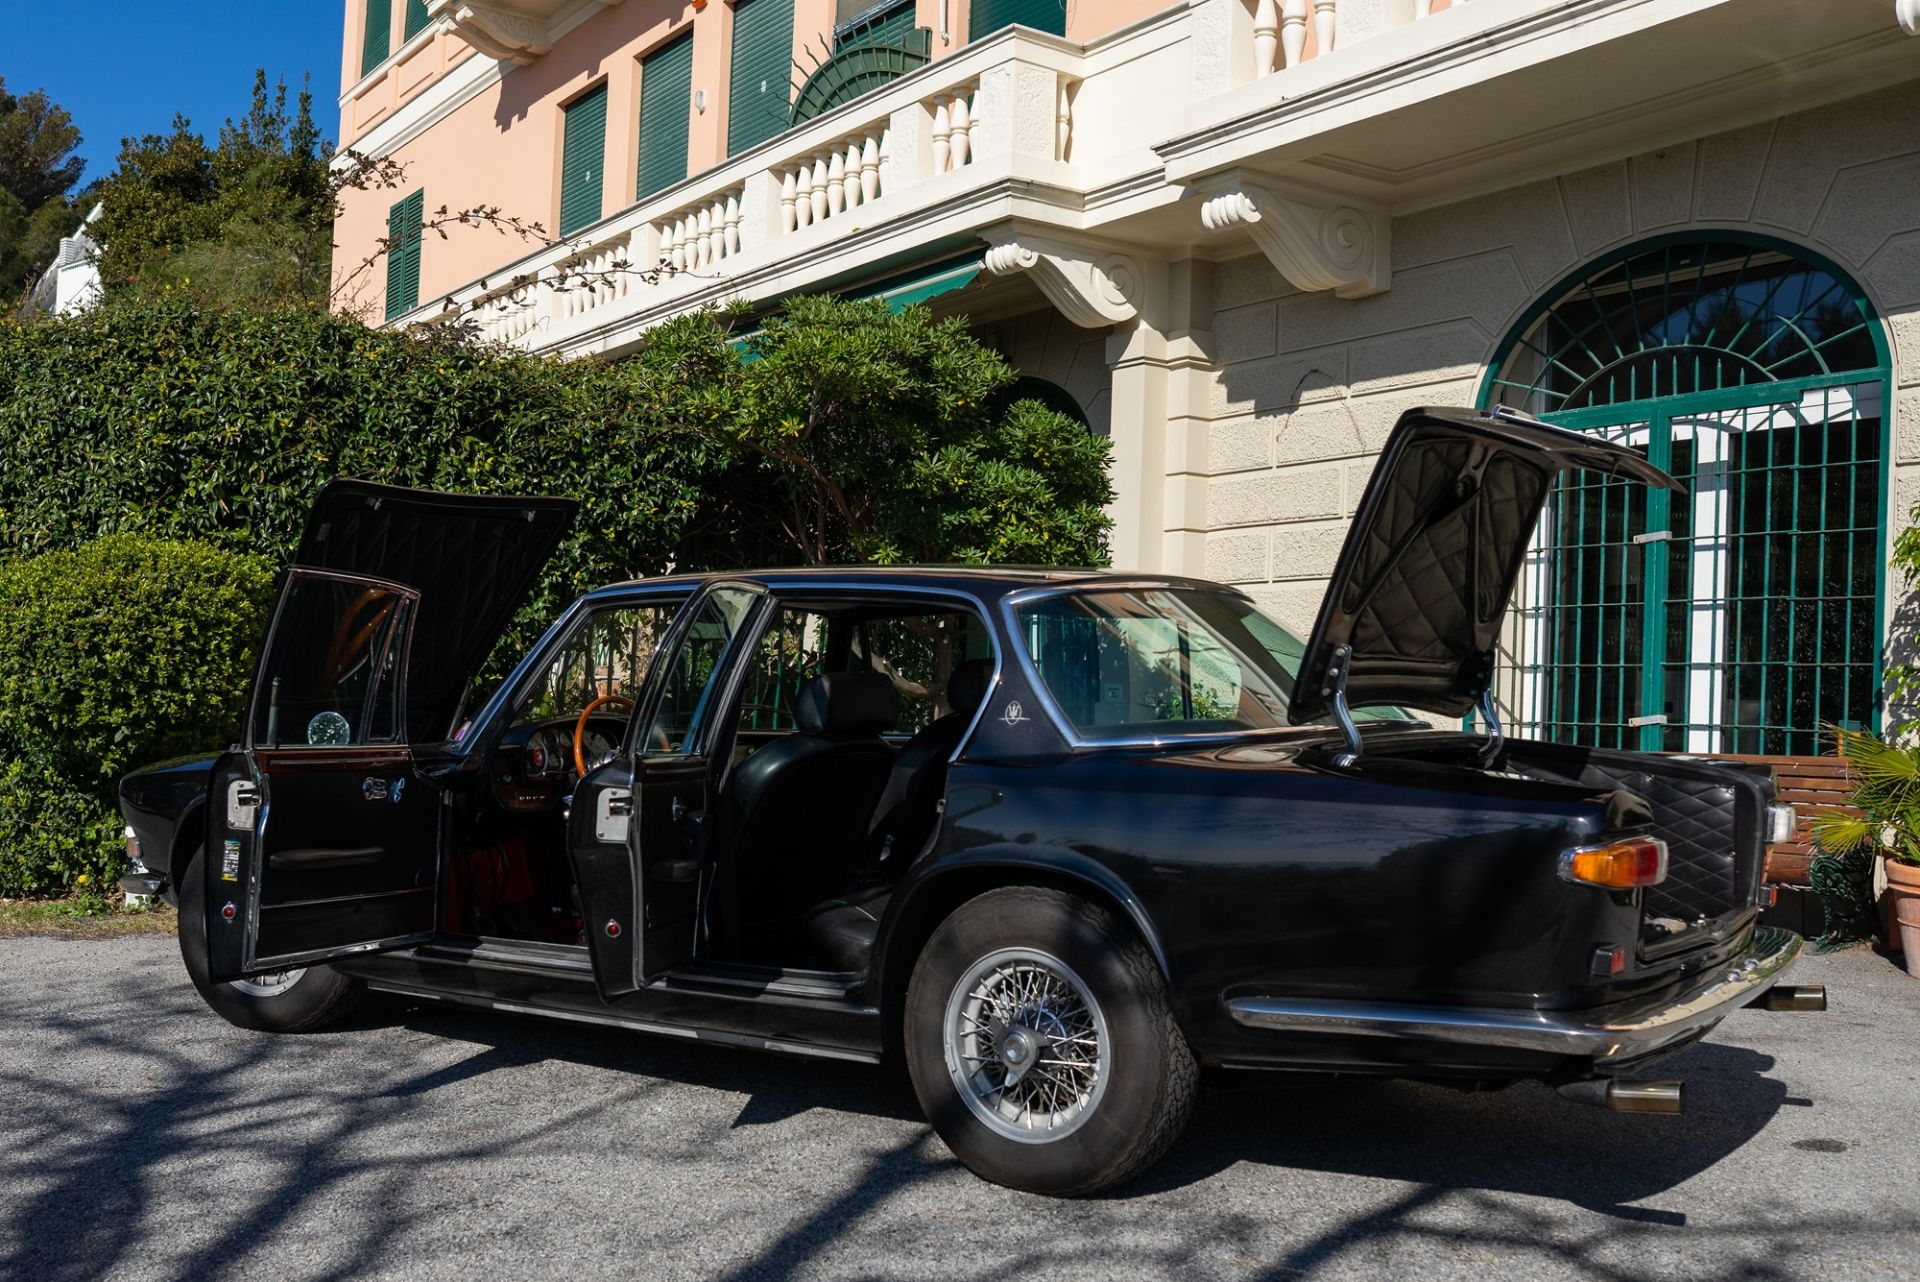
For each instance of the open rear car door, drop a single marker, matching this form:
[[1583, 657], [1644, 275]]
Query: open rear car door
[[639, 833], [322, 837]]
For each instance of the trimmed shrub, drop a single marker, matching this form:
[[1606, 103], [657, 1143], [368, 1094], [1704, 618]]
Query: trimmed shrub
[[122, 652]]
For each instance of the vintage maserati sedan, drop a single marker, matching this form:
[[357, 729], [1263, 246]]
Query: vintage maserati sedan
[[1059, 837]]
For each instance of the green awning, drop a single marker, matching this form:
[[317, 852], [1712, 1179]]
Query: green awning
[[903, 289]]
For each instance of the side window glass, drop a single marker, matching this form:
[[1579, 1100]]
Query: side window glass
[[607, 658], [331, 677], [690, 681], [790, 652], [919, 652]]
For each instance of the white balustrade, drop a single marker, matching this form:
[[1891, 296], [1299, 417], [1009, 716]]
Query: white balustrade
[[1280, 28], [954, 123], [842, 174], [700, 237]]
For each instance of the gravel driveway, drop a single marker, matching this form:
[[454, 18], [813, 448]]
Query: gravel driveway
[[141, 1137]]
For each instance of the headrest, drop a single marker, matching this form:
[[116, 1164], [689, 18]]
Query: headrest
[[967, 685], [844, 705]]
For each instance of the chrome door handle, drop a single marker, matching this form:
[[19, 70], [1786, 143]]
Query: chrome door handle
[[678, 810]]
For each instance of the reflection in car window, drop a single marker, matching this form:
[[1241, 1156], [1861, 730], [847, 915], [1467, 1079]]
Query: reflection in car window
[[689, 683], [1162, 661], [608, 655], [332, 677]]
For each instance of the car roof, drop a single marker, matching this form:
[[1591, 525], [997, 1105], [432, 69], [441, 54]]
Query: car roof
[[979, 580]]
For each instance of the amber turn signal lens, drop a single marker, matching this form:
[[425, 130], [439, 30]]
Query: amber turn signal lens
[[1618, 865]]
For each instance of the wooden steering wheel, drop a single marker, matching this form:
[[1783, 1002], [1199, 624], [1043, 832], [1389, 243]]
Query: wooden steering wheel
[[580, 728]]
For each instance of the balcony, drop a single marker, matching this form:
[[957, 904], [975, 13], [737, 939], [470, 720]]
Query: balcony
[[1298, 128], [517, 31]]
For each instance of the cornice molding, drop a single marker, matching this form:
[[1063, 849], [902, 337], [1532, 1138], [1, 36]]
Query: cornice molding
[[1092, 286], [1315, 244]]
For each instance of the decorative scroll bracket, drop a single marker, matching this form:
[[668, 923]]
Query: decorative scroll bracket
[[1091, 286], [1314, 244], [503, 30]]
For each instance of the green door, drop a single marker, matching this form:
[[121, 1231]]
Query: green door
[[666, 111], [1745, 614], [759, 89], [1042, 15], [583, 147]]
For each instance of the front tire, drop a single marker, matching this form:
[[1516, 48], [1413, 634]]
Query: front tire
[[293, 1001], [1042, 1044]]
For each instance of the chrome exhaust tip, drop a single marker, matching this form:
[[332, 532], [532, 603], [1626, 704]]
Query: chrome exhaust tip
[[1792, 997], [1646, 1097], [1623, 1096]]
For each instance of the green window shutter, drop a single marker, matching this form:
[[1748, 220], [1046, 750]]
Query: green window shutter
[[759, 92], [378, 36], [583, 145], [416, 19], [666, 109], [1042, 15], [403, 254]]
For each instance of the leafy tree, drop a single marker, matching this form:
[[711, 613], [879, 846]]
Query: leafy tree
[[867, 434], [245, 222], [37, 171]]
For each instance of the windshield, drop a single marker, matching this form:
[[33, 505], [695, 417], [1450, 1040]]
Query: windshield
[[1158, 661]]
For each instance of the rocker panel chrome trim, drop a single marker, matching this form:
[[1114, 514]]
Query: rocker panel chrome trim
[[1622, 1031]]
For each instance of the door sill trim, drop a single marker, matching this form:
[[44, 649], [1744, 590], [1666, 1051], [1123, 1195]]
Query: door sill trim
[[613, 1019], [507, 954], [773, 981]]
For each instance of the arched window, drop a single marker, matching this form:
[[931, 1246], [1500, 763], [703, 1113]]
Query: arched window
[[1029, 387], [1745, 614]]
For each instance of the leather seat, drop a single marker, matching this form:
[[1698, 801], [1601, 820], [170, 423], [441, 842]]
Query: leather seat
[[910, 804], [801, 804], [840, 933]]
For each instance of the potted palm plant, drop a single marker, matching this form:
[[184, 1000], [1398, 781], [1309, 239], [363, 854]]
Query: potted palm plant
[[1885, 814]]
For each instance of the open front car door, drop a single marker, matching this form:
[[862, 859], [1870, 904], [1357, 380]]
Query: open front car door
[[320, 840], [640, 835]]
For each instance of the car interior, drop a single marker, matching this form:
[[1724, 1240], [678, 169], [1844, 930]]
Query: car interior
[[831, 772]]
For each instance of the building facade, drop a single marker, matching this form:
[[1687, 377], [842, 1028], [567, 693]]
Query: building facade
[[1242, 236]]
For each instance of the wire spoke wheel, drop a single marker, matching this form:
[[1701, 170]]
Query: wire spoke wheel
[[269, 985], [1027, 1045]]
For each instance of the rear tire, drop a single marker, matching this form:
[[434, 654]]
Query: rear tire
[[295, 1001], [1042, 1044]]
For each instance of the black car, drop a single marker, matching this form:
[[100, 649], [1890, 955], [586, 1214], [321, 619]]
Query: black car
[[1060, 837]]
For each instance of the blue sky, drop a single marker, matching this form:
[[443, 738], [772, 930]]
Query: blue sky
[[126, 66]]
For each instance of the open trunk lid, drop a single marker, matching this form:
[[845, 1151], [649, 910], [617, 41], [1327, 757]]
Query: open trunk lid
[[1414, 610], [473, 558]]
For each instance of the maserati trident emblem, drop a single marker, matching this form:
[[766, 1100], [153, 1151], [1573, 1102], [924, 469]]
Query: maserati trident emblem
[[1014, 713]]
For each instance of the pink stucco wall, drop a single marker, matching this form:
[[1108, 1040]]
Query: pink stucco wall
[[502, 148]]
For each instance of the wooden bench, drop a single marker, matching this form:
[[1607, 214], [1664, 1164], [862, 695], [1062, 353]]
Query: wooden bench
[[1810, 785]]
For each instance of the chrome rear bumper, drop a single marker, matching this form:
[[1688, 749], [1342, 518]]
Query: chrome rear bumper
[[1617, 1033]]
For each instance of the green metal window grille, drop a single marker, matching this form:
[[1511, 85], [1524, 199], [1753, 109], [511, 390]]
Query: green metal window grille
[[415, 20], [666, 109], [1744, 614], [887, 24], [583, 146], [404, 233], [377, 37], [761, 84], [1042, 15], [861, 66]]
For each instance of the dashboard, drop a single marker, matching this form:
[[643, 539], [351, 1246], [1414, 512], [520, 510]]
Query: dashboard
[[533, 767]]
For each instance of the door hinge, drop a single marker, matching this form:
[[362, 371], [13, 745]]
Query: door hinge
[[612, 811], [243, 798]]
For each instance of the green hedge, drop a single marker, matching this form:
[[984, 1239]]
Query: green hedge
[[174, 420], [125, 651]]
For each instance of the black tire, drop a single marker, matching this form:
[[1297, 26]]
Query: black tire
[[1150, 1077], [320, 996]]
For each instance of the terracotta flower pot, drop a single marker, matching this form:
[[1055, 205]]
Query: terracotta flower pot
[[1903, 911]]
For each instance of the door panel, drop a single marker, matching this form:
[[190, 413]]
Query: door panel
[[637, 832], [322, 839]]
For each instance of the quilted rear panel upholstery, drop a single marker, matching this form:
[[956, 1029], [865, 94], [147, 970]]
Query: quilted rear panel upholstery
[[1696, 819]]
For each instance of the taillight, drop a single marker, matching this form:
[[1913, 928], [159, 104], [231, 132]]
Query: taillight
[[1618, 865]]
